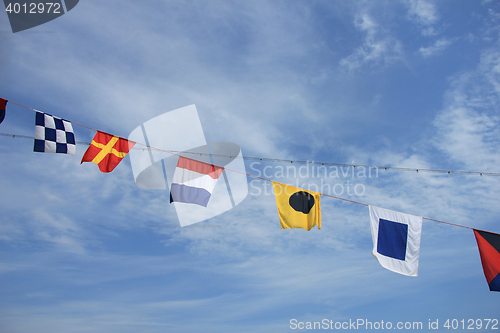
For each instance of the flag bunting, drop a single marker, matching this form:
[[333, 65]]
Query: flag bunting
[[489, 250], [193, 181], [53, 135], [396, 236], [297, 208], [3, 105], [396, 240], [107, 151]]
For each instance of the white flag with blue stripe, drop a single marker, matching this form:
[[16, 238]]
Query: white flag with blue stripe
[[396, 240]]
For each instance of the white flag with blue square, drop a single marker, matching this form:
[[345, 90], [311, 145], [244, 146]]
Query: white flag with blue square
[[53, 135], [396, 240]]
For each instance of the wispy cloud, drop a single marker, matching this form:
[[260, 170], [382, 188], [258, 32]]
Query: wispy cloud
[[435, 49], [425, 14], [468, 125], [378, 48]]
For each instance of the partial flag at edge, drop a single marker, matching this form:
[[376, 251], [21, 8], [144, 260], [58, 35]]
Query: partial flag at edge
[[489, 250], [3, 106]]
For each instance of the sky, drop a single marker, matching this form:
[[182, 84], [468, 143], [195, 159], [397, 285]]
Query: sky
[[409, 83]]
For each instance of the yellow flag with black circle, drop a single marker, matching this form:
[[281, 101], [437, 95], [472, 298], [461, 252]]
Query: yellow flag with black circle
[[297, 208]]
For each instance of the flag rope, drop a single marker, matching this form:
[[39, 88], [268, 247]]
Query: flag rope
[[267, 159], [32, 137], [495, 174], [291, 161]]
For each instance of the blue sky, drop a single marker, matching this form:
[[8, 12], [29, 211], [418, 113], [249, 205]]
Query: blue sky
[[399, 83]]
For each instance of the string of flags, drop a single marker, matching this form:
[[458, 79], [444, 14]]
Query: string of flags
[[396, 236]]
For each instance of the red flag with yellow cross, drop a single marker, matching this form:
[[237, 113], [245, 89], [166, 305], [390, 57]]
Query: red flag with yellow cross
[[107, 151]]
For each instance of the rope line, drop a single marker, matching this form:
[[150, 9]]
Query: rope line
[[277, 160], [32, 137]]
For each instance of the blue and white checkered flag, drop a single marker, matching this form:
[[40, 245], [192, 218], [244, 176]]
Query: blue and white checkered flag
[[53, 135]]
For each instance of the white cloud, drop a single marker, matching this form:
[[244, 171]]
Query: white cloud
[[378, 48], [438, 47], [424, 14], [468, 125], [470, 138], [365, 23]]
